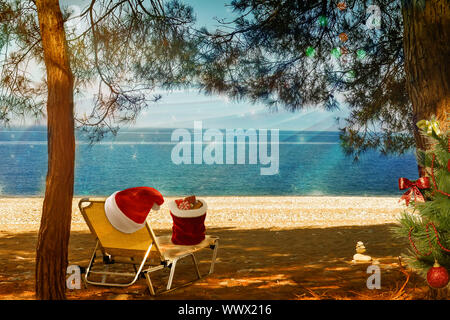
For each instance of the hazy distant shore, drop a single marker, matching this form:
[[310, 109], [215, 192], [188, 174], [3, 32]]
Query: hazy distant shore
[[22, 214]]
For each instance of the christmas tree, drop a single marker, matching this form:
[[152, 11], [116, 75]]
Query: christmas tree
[[426, 221]]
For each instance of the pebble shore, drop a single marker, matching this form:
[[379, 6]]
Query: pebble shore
[[23, 214]]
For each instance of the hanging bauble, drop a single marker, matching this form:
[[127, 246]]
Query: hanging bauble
[[437, 276]]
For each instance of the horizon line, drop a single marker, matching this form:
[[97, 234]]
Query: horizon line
[[13, 128]]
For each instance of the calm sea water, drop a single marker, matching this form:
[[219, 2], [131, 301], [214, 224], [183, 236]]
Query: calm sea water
[[310, 163]]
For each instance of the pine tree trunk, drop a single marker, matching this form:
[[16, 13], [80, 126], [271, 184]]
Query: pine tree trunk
[[426, 48], [53, 238]]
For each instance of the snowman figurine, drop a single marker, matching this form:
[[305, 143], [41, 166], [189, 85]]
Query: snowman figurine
[[359, 256]]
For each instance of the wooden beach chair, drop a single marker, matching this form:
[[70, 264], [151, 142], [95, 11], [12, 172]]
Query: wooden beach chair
[[138, 249]]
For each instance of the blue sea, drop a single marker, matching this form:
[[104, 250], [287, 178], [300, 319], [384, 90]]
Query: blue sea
[[310, 163]]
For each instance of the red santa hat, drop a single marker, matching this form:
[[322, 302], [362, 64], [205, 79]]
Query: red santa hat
[[127, 210]]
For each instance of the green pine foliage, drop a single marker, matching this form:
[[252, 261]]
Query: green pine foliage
[[288, 54], [436, 209], [120, 53]]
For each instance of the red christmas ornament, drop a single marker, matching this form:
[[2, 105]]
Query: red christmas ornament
[[437, 276], [342, 6], [343, 37]]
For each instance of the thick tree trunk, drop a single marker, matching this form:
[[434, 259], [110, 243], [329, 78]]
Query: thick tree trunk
[[53, 238], [426, 47]]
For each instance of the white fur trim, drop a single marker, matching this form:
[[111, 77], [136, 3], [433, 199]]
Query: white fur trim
[[155, 206], [117, 218], [187, 213]]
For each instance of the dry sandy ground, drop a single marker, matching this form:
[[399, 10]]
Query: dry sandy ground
[[270, 248]]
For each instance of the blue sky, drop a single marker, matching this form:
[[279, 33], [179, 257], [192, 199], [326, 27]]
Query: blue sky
[[179, 109]]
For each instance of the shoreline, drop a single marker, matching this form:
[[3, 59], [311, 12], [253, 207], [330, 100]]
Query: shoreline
[[21, 214], [221, 196]]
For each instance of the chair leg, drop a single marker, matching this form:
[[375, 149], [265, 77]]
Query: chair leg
[[194, 260], [106, 273], [214, 256], [91, 262], [148, 271], [149, 281], [172, 272], [106, 269], [149, 284]]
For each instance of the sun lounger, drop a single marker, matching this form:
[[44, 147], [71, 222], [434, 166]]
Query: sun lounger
[[146, 252]]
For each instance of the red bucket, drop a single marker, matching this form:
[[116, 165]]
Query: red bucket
[[188, 225]]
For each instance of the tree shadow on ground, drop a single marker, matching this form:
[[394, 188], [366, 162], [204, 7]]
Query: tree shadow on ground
[[303, 263]]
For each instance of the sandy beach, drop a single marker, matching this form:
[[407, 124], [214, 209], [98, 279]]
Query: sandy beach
[[23, 214], [271, 248]]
